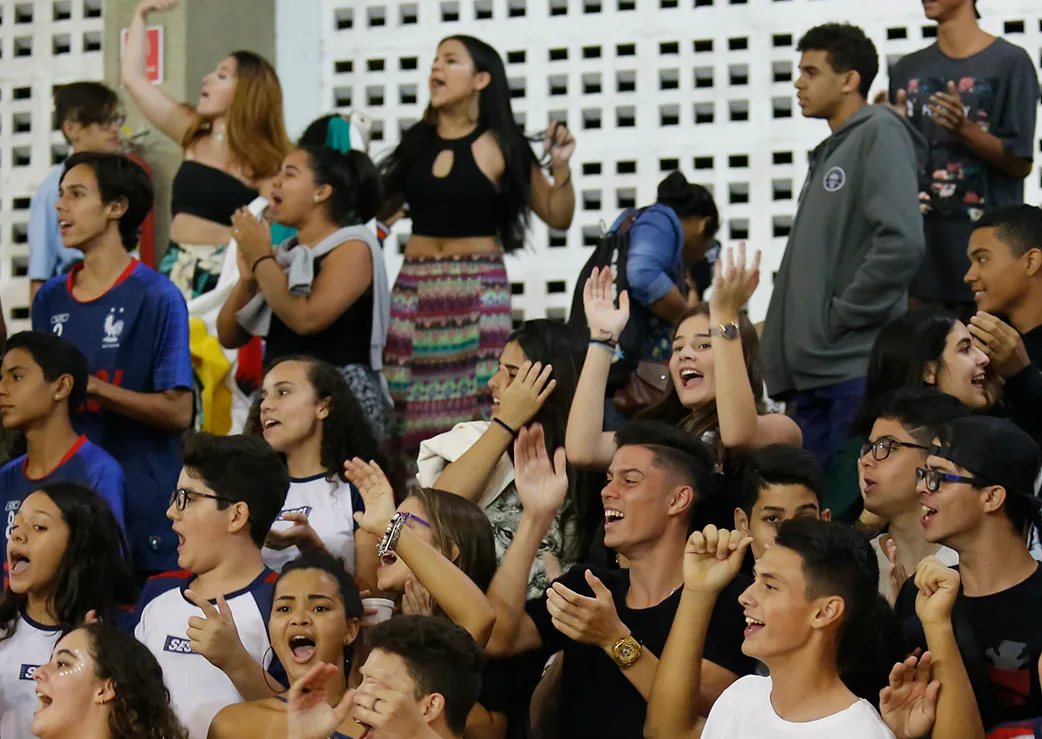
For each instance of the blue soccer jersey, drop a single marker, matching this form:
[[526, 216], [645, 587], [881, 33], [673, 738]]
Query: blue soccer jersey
[[84, 464], [135, 336]]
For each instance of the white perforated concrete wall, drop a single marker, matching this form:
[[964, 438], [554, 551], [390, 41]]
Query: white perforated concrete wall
[[42, 43], [646, 86]]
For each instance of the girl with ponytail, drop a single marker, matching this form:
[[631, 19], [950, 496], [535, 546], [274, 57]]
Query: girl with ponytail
[[318, 290]]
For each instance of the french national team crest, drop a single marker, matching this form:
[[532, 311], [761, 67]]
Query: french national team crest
[[113, 328]]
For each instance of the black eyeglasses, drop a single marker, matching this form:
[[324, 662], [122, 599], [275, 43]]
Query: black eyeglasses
[[180, 498], [881, 448], [934, 478]]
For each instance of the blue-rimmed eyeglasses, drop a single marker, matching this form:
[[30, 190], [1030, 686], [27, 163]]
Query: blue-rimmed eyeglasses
[[934, 478]]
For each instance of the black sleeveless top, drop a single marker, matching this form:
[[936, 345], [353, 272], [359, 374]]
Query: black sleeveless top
[[209, 193], [464, 203], [345, 341]]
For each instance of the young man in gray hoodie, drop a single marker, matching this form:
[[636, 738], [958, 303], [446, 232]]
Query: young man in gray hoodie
[[855, 245]]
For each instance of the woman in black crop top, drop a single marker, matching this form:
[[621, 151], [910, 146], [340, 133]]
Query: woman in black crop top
[[331, 263], [230, 152], [470, 181]]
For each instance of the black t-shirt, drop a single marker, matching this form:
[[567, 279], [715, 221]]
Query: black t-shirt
[[1006, 629], [596, 698]]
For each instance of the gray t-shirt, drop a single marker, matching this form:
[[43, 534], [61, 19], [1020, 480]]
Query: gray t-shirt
[[999, 88]]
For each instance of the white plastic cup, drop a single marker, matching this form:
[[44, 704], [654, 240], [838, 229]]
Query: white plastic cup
[[383, 609]]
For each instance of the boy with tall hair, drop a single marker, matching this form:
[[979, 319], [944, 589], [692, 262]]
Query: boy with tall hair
[[42, 378], [904, 424], [855, 244], [779, 482], [131, 324], [811, 613], [89, 116], [977, 490], [207, 624], [974, 97], [611, 625]]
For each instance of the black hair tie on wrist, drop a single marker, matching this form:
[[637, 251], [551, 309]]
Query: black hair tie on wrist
[[503, 425]]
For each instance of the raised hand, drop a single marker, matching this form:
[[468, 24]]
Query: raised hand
[[1001, 342], [386, 703], [896, 573], [604, 319], [938, 588], [899, 105], [308, 714], [416, 600], [215, 635], [525, 394], [712, 558], [299, 535], [148, 6], [947, 110], [376, 492], [733, 283], [908, 704], [560, 144], [252, 236], [588, 620], [541, 485]]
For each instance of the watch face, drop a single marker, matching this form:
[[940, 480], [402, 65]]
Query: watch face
[[627, 653], [730, 331]]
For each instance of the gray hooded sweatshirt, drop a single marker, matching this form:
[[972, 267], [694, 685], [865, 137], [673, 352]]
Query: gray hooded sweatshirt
[[855, 245]]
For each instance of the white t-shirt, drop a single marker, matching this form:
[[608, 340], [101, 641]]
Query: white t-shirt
[[949, 557], [198, 690], [744, 711], [30, 647], [329, 506]]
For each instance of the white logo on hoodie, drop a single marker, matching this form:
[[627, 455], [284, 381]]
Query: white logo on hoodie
[[834, 180]]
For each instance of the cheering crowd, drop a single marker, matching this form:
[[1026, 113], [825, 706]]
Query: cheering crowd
[[258, 492]]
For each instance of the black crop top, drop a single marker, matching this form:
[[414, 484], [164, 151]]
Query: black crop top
[[209, 193], [463, 204], [344, 341]]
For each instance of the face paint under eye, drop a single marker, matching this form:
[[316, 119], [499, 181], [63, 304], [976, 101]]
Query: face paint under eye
[[69, 671]]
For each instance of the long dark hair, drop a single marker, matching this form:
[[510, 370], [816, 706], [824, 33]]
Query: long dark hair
[[699, 421], [141, 706], [357, 191], [556, 344], [901, 354], [345, 431], [689, 200], [92, 574], [495, 115]]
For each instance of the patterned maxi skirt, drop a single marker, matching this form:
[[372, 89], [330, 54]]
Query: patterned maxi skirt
[[450, 319]]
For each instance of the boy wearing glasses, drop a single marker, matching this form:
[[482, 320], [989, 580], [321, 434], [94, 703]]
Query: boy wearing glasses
[[89, 116], [977, 491], [207, 624], [904, 425]]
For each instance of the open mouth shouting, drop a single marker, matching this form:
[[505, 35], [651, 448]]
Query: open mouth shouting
[[64, 225], [611, 517], [690, 378], [17, 562], [928, 514], [436, 83], [302, 648], [752, 626], [45, 701], [269, 423], [978, 382]]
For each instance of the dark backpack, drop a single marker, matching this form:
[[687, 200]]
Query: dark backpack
[[612, 251]]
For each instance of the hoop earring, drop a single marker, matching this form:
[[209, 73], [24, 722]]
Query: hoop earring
[[474, 109], [278, 689]]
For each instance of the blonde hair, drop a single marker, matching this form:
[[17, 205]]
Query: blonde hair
[[256, 131]]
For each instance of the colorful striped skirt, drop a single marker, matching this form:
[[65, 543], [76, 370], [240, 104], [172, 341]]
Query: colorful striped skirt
[[450, 319]]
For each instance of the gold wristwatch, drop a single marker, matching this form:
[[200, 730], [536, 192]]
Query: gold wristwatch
[[728, 331], [626, 651]]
